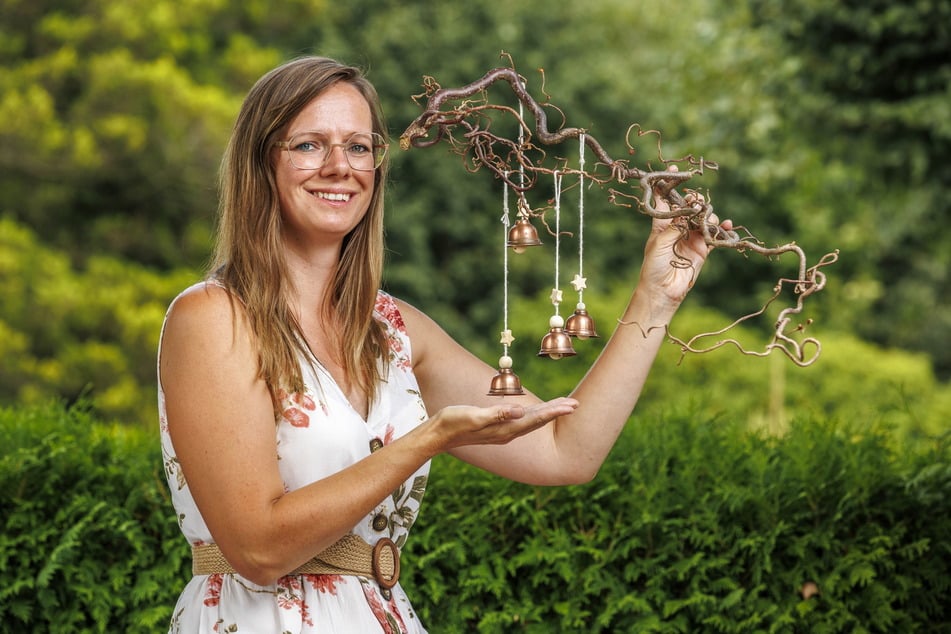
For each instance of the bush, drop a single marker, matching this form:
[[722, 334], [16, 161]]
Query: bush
[[89, 540], [693, 525]]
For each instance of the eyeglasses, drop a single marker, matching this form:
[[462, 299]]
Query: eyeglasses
[[310, 150]]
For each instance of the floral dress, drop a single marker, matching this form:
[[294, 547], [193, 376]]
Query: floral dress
[[318, 433]]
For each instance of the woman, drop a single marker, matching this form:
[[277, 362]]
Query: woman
[[300, 406]]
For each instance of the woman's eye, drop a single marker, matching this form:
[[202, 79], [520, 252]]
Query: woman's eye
[[307, 146], [358, 148]]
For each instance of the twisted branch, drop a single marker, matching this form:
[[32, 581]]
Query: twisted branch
[[463, 118]]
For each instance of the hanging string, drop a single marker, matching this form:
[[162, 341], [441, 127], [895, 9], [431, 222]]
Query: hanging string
[[556, 293], [505, 265], [521, 140], [581, 214]]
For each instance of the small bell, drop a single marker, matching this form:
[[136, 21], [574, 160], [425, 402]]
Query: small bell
[[580, 324], [522, 235], [506, 382], [556, 344]]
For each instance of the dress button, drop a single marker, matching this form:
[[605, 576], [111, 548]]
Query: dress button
[[379, 522], [375, 445], [386, 593]]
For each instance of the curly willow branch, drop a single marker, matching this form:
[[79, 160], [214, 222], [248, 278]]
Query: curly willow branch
[[468, 111]]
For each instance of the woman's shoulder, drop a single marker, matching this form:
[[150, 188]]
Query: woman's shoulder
[[207, 294], [400, 314], [206, 305]]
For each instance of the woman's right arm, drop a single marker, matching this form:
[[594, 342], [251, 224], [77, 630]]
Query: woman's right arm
[[221, 423]]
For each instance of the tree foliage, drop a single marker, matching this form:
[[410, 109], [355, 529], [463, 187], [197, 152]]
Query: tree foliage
[[75, 334], [868, 85], [113, 116], [91, 333]]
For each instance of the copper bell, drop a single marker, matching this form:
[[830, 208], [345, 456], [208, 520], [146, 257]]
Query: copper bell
[[556, 344], [506, 382], [522, 235], [580, 324]]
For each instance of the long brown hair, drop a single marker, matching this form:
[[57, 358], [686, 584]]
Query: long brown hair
[[248, 256]]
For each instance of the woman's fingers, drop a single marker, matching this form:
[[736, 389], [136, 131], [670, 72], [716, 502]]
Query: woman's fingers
[[542, 412], [516, 420], [501, 423]]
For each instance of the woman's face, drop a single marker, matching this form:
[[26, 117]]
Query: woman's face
[[323, 204]]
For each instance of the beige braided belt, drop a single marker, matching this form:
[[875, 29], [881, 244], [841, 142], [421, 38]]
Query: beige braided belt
[[350, 555]]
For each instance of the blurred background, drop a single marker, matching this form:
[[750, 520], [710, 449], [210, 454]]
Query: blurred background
[[830, 122]]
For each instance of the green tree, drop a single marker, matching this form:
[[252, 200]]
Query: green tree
[[88, 333], [868, 85], [606, 65], [113, 116]]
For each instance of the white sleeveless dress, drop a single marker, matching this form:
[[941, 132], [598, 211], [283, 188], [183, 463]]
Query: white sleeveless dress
[[318, 434]]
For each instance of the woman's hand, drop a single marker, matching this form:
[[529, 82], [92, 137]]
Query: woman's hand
[[462, 425], [673, 257]]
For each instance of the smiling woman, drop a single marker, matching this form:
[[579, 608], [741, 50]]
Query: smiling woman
[[300, 405]]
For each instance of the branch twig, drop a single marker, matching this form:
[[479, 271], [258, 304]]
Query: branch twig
[[463, 117]]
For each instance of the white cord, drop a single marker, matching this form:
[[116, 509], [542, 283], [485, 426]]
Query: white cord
[[505, 261], [581, 213], [556, 293]]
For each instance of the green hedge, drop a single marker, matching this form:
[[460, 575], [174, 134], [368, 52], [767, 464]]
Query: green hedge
[[692, 526], [696, 526], [89, 540]]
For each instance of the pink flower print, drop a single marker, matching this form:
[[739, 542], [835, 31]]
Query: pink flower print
[[388, 623], [324, 583], [388, 434], [386, 308], [305, 613], [396, 345], [395, 613], [304, 401], [213, 593], [290, 597], [296, 417], [397, 353], [288, 601]]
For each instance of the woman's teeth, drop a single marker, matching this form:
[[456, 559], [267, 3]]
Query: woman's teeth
[[332, 196]]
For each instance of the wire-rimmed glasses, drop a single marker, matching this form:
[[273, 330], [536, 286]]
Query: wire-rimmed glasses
[[310, 150]]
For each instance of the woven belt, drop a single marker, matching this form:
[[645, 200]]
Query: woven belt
[[349, 555]]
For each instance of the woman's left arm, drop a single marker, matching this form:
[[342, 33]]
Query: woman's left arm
[[571, 449]]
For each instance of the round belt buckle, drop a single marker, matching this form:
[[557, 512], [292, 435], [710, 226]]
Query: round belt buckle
[[386, 556]]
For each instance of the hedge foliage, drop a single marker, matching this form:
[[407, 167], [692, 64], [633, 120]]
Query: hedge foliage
[[697, 526], [693, 525], [89, 541]]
